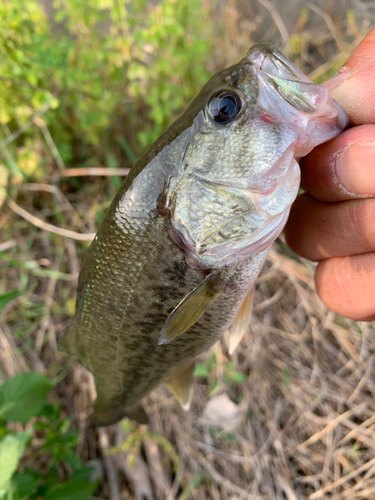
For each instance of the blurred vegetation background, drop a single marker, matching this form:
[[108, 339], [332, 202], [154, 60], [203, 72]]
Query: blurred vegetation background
[[85, 89]]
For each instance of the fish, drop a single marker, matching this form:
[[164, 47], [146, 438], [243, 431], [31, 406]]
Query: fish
[[174, 263]]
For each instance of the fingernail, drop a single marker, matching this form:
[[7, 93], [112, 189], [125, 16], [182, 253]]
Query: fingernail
[[336, 80], [355, 168]]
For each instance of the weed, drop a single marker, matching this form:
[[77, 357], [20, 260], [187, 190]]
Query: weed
[[45, 437]]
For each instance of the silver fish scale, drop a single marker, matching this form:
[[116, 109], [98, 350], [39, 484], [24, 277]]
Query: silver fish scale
[[126, 344]]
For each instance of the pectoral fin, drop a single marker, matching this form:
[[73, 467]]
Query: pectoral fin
[[191, 308], [241, 321], [180, 383]]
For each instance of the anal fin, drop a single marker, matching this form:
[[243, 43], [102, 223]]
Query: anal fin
[[191, 308], [241, 321], [180, 383]]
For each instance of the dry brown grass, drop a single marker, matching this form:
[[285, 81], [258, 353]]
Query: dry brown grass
[[307, 408]]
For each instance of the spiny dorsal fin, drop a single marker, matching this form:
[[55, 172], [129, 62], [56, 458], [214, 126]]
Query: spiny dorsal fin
[[180, 383], [191, 308], [241, 321]]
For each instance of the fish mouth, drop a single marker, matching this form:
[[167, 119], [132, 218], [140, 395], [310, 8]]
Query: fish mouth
[[314, 108]]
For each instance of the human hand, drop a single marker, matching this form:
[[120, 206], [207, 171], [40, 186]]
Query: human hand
[[334, 222]]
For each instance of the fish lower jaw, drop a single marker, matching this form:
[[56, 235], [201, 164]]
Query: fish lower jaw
[[233, 251]]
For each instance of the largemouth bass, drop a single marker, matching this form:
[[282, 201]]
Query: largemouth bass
[[175, 260]]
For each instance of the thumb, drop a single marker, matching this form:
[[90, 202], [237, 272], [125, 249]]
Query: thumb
[[354, 85]]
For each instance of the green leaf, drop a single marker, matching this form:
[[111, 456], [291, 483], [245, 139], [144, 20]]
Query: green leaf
[[11, 450], [24, 396], [83, 474], [4, 299], [24, 485], [237, 377], [75, 463], [201, 370], [71, 490]]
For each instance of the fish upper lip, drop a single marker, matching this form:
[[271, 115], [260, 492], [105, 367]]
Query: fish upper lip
[[280, 66]]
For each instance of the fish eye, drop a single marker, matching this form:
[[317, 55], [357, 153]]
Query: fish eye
[[224, 106]]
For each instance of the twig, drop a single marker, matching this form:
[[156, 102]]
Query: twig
[[66, 233], [272, 300], [277, 19], [329, 23], [99, 171], [46, 322], [36, 186], [137, 475], [50, 142], [160, 480], [224, 482], [334, 423], [113, 479], [7, 245], [290, 267], [328, 65], [11, 359], [24, 127], [342, 480], [61, 199]]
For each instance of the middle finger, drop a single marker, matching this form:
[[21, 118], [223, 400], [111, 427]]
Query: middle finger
[[318, 230]]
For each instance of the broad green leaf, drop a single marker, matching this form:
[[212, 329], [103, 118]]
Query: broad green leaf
[[4, 299], [24, 485], [24, 396], [71, 490], [73, 460], [11, 450], [85, 474]]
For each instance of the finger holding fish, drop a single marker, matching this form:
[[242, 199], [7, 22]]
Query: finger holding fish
[[333, 222]]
